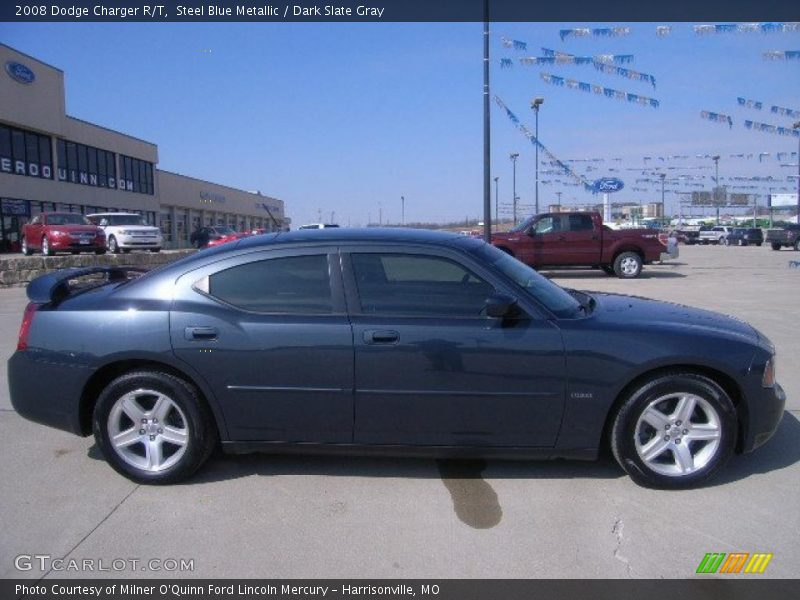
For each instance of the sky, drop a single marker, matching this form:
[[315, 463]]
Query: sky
[[342, 120]]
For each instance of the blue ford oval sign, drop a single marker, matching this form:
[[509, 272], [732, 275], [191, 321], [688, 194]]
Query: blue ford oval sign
[[19, 72], [607, 185]]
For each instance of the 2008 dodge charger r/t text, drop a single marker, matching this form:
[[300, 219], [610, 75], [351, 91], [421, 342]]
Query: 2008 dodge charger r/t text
[[394, 341]]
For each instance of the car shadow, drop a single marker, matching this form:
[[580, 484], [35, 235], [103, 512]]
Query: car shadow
[[782, 451], [599, 274]]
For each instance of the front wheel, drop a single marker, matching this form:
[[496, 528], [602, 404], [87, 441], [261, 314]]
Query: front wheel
[[46, 249], [113, 245], [725, 241], [628, 265], [153, 427], [25, 249], [776, 246], [675, 431]]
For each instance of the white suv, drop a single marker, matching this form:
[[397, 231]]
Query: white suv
[[126, 231]]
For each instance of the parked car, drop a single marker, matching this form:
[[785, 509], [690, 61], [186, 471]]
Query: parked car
[[209, 237], [741, 236], [318, 226], [53, 232], [714, 235], [787, 236], [387, 342], [689, 237], [127, 231], [581, 239]]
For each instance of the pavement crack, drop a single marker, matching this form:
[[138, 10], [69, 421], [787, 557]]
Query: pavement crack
[[617, 529], [95, 528]]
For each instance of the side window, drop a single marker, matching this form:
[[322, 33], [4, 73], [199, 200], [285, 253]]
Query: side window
[[550, 224], [580, 223], [418, 285], [293, 285]]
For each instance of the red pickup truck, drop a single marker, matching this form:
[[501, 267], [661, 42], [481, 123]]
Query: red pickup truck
[[580, 239]]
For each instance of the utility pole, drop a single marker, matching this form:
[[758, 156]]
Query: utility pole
[[535, 104], [487, 172], [496, 201], [716, 183], [403, 211], [514, 156], [559, 200], [796, 127], [663, 176]]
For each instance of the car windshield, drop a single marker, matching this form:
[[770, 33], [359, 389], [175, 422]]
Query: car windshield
[[523, 226], [67, 219], [223, 231], [553, 297], [123, 219]]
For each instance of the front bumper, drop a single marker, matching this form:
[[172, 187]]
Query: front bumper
[[63, 244], [137, 241], [764, 417]]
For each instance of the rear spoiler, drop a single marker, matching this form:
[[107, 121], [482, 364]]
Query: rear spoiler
[[54, 287]]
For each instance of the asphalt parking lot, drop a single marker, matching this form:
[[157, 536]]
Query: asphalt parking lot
[[290, 517]]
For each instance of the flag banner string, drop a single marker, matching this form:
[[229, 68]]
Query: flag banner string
[[515, 44], [750, 103], [786, 112], [628, 73], [717, 117], [782, 55], [534, 140], [594, 32], [599, 90], [747, 28], [605, 58], [767, 128], [663, 30]]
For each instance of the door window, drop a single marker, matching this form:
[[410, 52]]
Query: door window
[[551, 224], [293, 285], [580, 223], [418, 285]]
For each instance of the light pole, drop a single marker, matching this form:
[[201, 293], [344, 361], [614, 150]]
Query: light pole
[[559, 200], [496, 201], [796, 127], [487, 170], [663, 176], [514, 156], [535, 104], [716, 183], [403, 211]]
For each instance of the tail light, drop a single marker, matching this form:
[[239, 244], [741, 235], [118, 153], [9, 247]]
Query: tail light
[[25, 328]]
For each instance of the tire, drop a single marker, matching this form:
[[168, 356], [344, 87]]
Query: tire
[[758, 244], [628, 265], [126, 250], [25, 250], [155, 249], [100, 251], [113, 246], [725, 241], [179, 429], [776, 246], [642, 419], [46, 249], [608, 269], [742, 243]]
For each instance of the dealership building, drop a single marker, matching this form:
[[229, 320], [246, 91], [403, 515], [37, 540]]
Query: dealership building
[[50, 161]]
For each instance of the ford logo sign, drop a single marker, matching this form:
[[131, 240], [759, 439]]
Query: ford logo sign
[[607, 185], [20, 73]]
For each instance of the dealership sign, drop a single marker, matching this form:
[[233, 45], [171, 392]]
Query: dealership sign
[[607, 185], [20, 73]]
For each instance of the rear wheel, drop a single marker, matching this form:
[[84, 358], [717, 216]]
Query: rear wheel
[[675, 431], [25, 249], [153, 427], [628, 265], [776, 246]]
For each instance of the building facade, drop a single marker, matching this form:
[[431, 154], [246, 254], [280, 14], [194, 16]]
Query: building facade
[[52, 161]]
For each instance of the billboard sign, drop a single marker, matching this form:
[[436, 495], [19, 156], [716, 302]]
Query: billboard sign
[[781, 200]]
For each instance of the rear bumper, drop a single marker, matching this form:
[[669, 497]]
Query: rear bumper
[[47, 392], [671, 254]]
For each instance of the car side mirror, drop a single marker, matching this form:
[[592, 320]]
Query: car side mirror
[[500, 306]]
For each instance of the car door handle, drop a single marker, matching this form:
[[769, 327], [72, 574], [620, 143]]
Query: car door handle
[[200, 333], [381, 336]]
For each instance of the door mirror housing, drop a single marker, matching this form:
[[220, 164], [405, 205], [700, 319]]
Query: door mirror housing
[[501, 306]]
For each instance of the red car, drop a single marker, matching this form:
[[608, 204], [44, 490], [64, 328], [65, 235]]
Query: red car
[[62, 232]]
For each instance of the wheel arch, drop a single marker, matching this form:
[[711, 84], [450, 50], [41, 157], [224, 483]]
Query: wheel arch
[[110, 371], [627, 248], [724, 380]]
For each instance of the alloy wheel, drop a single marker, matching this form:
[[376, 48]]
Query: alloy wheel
[[629, 266]]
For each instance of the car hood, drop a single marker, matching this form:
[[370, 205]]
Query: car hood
[[667, 316], [75, 228], [137, 228]]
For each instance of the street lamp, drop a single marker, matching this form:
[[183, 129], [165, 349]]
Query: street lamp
[[535, 104], [796, 127], [496, 202], [514, 156], [559, 200], [663, 176], [715, 197], [403, 211]]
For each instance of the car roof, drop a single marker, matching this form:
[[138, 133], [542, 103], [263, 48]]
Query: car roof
[[344, 235], [126, 214]]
